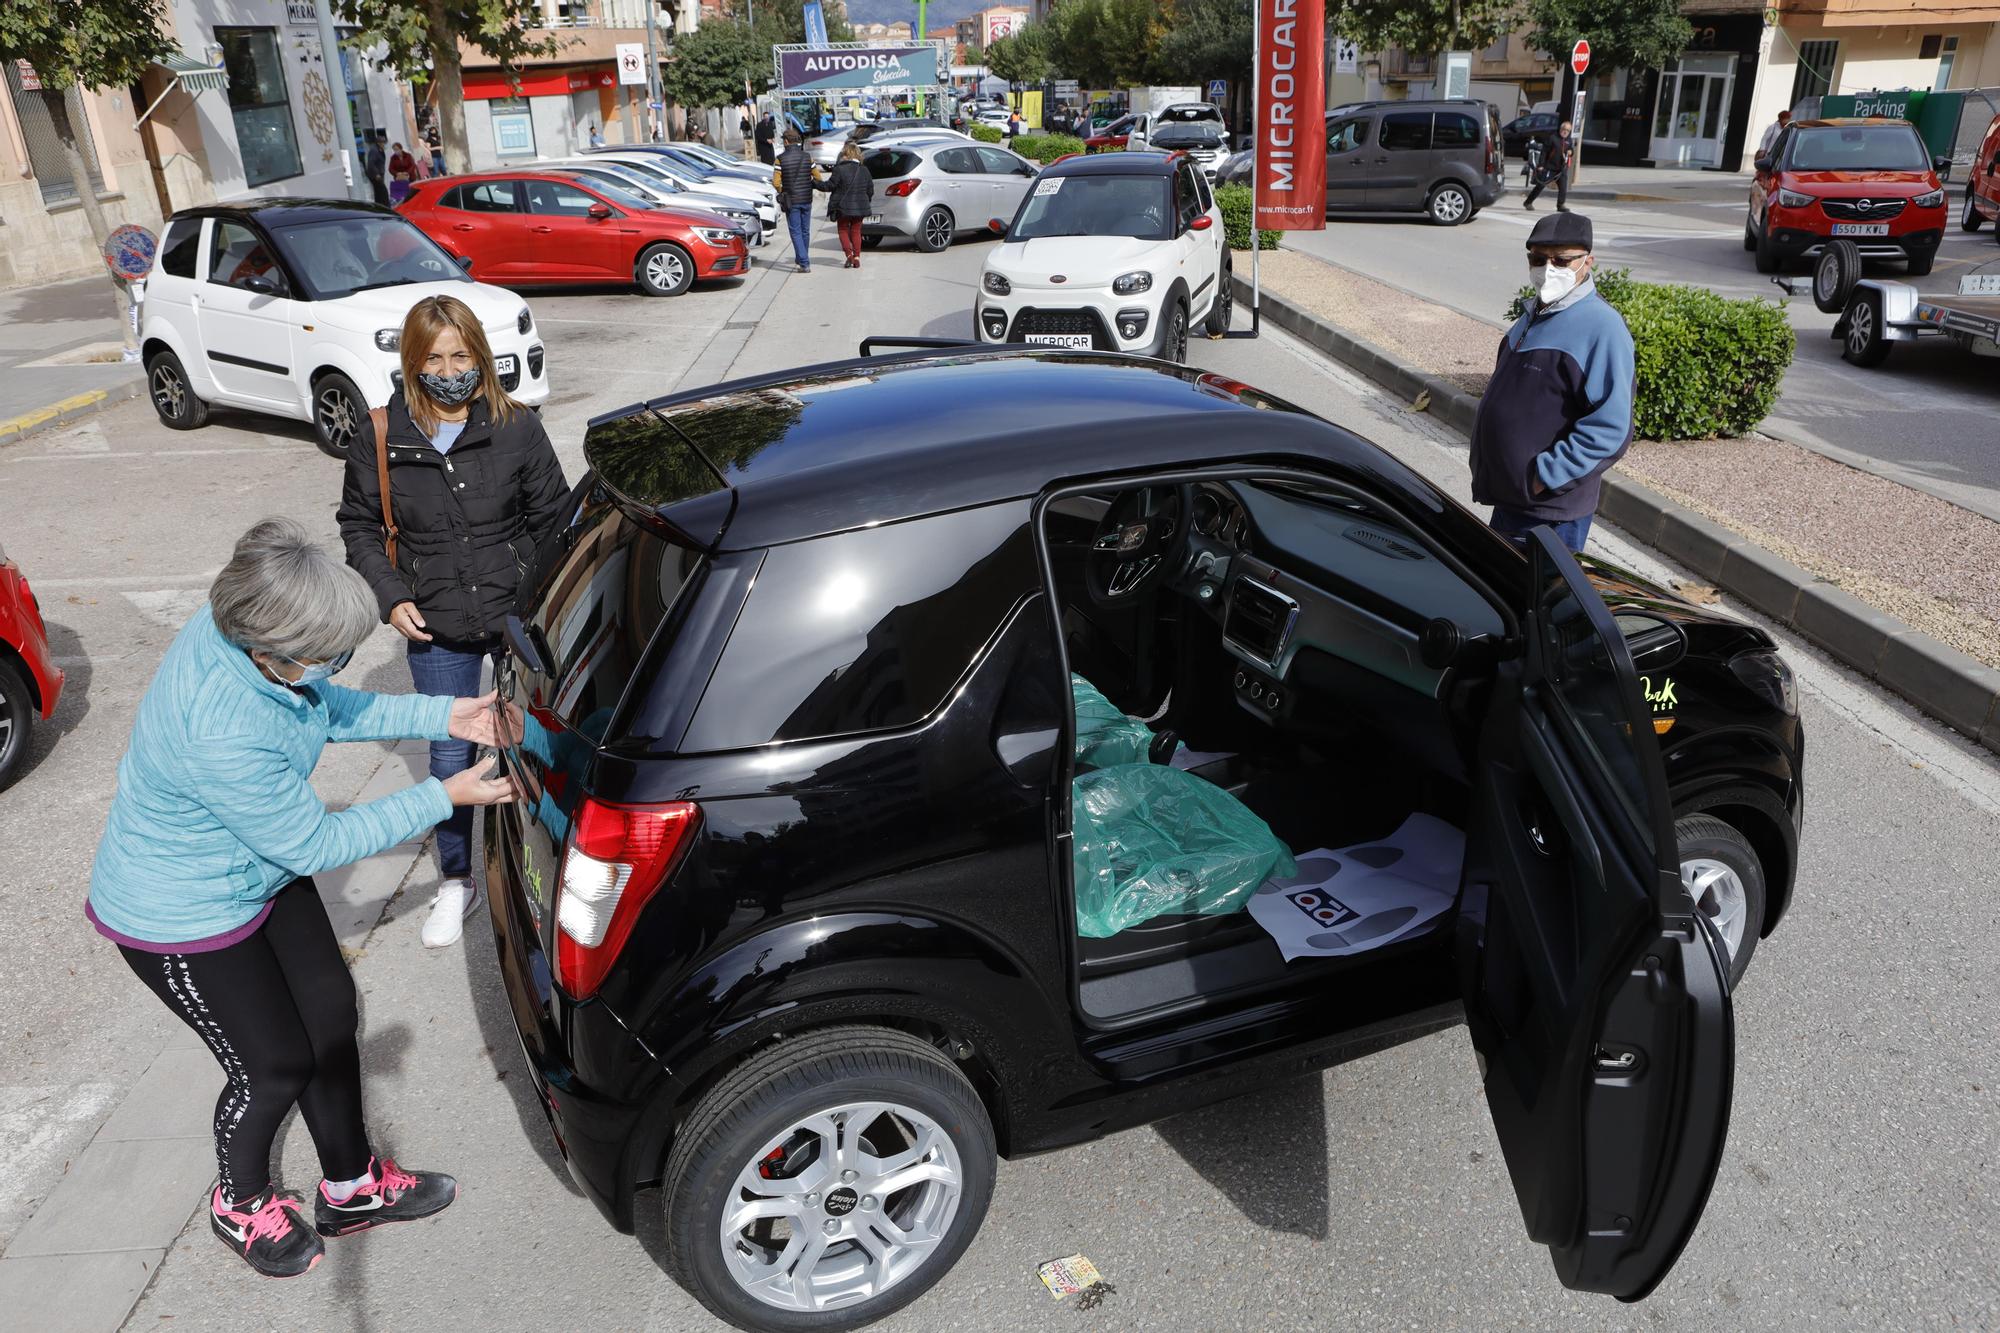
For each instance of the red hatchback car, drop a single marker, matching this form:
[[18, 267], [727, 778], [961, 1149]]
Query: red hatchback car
[[30, 684], [523, 228], [1982, 191], [1114, 135], [1871, 181]]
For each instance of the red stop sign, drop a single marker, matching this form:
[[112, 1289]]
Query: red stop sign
[[1579, 57]]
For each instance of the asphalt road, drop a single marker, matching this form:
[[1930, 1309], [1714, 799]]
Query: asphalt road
[[1858, 1188], [1925, 417]]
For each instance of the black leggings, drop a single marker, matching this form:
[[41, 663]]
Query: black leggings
[[277, 1009]]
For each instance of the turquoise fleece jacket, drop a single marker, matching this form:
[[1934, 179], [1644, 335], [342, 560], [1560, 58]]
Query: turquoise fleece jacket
[[215, 809]]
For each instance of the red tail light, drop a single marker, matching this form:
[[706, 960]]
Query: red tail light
[[618, 857], [903, 189]]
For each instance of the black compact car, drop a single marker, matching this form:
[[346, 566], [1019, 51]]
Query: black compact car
[[1516, 133], [978, 751]]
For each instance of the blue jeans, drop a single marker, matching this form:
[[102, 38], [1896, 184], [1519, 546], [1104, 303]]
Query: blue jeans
[[800, 220], [1515, 526], [437, 669]]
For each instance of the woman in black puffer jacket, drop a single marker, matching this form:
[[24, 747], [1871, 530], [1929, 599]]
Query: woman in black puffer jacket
[[475, 492], [853, 191]]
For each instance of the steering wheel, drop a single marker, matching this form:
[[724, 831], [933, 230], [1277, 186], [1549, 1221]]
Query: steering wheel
[[1140, 542]]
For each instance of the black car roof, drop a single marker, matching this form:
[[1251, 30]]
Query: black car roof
[[285, 210], [1112, 164], [804, 453]]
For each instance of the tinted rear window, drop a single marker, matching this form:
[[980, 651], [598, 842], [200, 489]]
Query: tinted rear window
[[177, 248], [890, 163], [1455, 130], [1409, 131], [865, 631]]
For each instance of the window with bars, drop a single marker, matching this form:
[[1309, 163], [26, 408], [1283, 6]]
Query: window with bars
[[1815, 72], [260, 103], [40, 111]]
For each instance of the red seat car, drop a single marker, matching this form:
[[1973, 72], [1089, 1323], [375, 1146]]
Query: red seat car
[[30, 684], [523, 228], [1114, 136], [1871, 181], [1982, 190]]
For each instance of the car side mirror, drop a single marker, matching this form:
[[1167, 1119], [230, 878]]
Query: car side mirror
[[996, 226], [599, 212], [1201, 223], [1763, 165], [1654, 642], [465, 262], [260, 284], [1941, 164]]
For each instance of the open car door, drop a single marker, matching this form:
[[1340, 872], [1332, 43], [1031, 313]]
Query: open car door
[[1596, 996]]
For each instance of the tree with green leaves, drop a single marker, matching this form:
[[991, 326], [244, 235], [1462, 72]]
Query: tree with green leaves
[[1208, 39], [423, 37], [1021, 58], [709, 66], [1425, 27], [1623, 34], [1105, 43]]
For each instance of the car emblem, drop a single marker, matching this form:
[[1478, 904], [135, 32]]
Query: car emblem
[[1058, 278], [1865, 206], [1132, 537]]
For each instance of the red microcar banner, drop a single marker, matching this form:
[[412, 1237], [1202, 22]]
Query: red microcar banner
[[1290, 109]]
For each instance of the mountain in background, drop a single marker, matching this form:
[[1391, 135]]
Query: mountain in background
[[939, 13]]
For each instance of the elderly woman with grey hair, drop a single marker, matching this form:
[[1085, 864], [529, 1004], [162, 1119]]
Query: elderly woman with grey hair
[[203, 878]]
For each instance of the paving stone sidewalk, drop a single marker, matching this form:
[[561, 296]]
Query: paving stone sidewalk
[[54, 341]]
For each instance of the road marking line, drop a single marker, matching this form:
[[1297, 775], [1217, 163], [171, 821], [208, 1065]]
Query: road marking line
[[127, 581], [142, 453]]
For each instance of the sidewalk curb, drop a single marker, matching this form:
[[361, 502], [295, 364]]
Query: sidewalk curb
[[1948, 685], [61, 413]]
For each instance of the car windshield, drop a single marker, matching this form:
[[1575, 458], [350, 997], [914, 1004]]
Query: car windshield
[[1188, 134], [1190, 115], [1138, 206], [694, 166], [342, 256], [611, 190], [650, 173], [1858, 148]]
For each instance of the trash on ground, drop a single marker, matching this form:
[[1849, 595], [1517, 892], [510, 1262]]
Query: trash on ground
[[1074, 1275]]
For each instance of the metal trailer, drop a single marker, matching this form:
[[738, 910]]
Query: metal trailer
[[1877, 313]]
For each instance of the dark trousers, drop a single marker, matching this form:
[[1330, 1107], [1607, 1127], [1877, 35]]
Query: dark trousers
[[277, 1011], [381, 190], [1560, 180], [453, 671], [850, 237], [1515, 526]]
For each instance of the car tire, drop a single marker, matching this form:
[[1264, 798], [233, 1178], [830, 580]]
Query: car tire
[[1224, 305], [1834, 276], [1721, 872], [934, 230], [167, 384], [1969, 219], [1749, 236], [1920, 265], [763, 1108], [664, 269], [1768, 260], [1864, 344], [1174, 337], [17, 720], [1449, 205], [871, 242], [340, 414]]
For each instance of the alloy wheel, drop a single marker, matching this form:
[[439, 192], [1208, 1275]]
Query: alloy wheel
[[1449, 206], [1718, 894], [937, 230], [1177, 337], [6, 722], [1860, 328], [841, 1206], [336, 418], [169, 391], [664, 270]]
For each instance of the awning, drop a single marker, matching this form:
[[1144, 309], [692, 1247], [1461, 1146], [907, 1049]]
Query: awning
[[187, 73]]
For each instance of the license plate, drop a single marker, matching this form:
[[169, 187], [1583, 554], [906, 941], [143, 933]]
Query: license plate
[[873, 217], [1078, 340], [506, 365], [1860, 229], [1979, 284]]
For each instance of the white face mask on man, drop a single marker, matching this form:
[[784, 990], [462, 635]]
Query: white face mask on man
[[1555, 281]]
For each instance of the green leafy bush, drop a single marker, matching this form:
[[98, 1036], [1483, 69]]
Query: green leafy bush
[[1239, 207], [1046, 148], [1707, 365], [985, 133]]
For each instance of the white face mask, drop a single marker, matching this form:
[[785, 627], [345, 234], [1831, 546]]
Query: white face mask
[[1553, 282]]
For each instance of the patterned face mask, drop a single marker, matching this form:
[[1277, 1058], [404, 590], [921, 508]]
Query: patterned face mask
[[451, 390]]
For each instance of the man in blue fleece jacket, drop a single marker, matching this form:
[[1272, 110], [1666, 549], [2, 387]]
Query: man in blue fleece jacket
[[1558, 411]]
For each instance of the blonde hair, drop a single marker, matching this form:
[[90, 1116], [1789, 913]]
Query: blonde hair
[[851, 153], [427, 319]]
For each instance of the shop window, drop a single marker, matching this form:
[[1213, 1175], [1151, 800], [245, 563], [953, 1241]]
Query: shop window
[[260, 104], [1496, 54], [1815, 70], [39, 111], [1947, 57], [513, 127]]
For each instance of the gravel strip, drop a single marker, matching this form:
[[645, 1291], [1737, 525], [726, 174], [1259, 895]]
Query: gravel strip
[[1922, 559]]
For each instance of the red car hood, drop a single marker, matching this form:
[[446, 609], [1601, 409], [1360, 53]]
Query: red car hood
[[1856, 184]]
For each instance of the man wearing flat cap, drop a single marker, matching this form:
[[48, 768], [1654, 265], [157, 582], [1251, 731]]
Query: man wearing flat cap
[[1558, 411]]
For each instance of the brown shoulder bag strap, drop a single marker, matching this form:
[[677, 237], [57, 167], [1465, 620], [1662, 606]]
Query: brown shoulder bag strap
[[378, 417]]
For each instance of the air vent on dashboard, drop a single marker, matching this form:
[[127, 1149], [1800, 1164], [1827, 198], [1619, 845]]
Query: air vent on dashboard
[[1260, 619], [1382, 542]]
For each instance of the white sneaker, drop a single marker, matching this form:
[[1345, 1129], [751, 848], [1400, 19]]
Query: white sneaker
[[454, 902]]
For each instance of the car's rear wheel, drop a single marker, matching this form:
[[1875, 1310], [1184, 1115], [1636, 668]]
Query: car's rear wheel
[[339, 414], [664, 270], [173, 397], [1920, 265], [1721, 873], [1448, 205], [1224, 305], [1768, 259], [1834, 276], [827, 1181], [1865, 343], [17, 720], [934, 230], [1968, 218]]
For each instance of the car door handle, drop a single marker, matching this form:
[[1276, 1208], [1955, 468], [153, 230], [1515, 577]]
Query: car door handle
[[542, 230], [1380, 161], [463, 226]]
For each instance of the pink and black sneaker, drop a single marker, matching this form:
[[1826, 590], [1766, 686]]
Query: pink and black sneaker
[[390, 1194], [269, 1231]]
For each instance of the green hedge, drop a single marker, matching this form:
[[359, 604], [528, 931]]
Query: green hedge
[[1239, 203], [985, 133], [1046, 148], [1707, 365]]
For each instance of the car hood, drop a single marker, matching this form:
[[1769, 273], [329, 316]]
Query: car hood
[[1620, 587], [1858, 184], [1085, 261], [676, 216], [385, 307]]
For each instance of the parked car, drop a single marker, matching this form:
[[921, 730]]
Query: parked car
[[292, 307], [715, 161], [1146, 127], [1438, 158], [1203, 141], [932, 191], [790, 920], [1123, 252], [629, 183], [1115, 134], [30, 681], [524, 228], [1982, 184], [824, 148], [713, 193], [1516, 133], [1871, 181]]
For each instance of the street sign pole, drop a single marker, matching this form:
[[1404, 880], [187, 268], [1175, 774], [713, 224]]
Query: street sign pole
[[1579, 64], [1256, 150], [654, 93], [336, 82], [922, 35]]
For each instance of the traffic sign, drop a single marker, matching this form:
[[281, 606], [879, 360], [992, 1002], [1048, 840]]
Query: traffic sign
[[129, 252], [1579, 56], [1218, 89], [631, 62]]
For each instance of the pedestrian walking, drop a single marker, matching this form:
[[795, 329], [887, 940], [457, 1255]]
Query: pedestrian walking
[[436, 145], [794, 181], [474, 493], [402, 170], [853, 193], [1557, 412], [1770, 139], [767, 130], [745, 126], [1554, 167], [1014, 124], [375, 166], [204, 878]]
